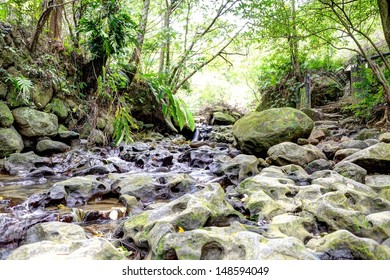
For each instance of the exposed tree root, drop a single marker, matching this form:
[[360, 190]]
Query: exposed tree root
[[385, 121]]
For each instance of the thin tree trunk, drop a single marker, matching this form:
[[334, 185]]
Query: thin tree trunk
[[384, 10], [136, 56], [56, 21], [47, 9]]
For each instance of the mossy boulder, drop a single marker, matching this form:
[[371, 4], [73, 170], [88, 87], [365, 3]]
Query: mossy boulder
[[58, 107], [34, 123], [24, 163], [47, 146], [374, 159], [344, 245], [6, 117], [55, 240], [290, 153], [42, 95], [10, 142], [3, 90], [256, 132], [221, 118], [229, 243]]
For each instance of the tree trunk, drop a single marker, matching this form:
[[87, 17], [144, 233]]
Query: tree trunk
[[136, 56], [164, 52], [384, 10], [56, 21], [294, 44], [47, 8]]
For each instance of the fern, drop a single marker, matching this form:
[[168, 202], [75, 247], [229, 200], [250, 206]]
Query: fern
[[124, 123], [23, 87], [171, 105]]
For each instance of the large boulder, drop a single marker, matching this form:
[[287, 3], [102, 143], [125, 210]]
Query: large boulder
[[33, 123], [10, 142], [291, 153], [6, 117], [55, 240], [47, 146], [221, 118], [150, 187], [229, 243], [24, 164], [77, 191], [256, 132], [343, 245], [374, 159]]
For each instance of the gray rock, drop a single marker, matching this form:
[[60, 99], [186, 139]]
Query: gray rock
[[221, 118], [23, 164], [236, 169], [6, 117], [353, 144], [385, 137], [344, 153], [97, 137], [256, 132], [352, 171], [228, 243], [319, 164], [380, 184], [206, 207], [33, 123], [48, 146], [54, 231], [344, 245], [77, 191], [88, 249], [10, 142], [375, 159], [365, 133], [291, 153], [149, 187]]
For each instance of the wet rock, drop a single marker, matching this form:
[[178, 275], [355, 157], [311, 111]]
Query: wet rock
[[6, 117], [344, 153], [202, 157], [291, 153], [353, 144], [23, 164], [191, 211], [343, 245], [228, 243], [49, 147], [258, 131], [33, 123], [133, 207], [54, 231], [67, 135], [319, 164], [10, 142], [236, 169], [95, 170], [77, 191], [222, 134], [385, 137], [149, 187], [375, 159], [221, 118]]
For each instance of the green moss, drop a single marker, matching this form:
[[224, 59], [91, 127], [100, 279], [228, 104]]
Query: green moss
[[58, 107], [6, 117]]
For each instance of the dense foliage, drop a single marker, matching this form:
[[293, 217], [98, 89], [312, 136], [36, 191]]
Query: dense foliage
[[167, 43]]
